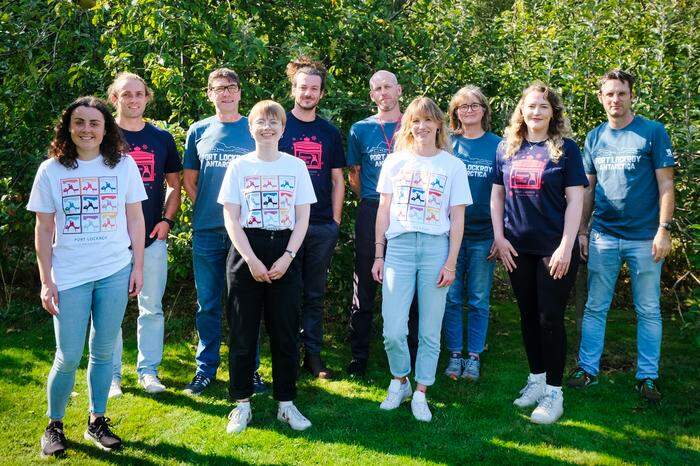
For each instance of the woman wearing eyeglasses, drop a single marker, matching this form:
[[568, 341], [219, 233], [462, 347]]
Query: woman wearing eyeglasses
[[536, 204], [475, 146]]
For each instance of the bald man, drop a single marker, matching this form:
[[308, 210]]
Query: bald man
[[369, 142]]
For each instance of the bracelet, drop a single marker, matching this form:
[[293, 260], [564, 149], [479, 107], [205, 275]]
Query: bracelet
[[379, 242], [171, 223], [380, 257], [448, 269]]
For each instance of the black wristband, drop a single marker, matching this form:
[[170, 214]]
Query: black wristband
[[171, 223]]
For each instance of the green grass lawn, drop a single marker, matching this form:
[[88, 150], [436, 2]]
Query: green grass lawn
[[472, 422]]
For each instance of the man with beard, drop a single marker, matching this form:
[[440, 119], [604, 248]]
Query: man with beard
[[155, 153], [370, 141], [318, 143]]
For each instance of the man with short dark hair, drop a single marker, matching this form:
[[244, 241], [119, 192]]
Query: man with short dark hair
[[629, 162], [154, 151], [211, 144], [318, 143]]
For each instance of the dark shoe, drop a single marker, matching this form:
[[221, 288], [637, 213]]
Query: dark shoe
[[53, 442], [648, 390], [258, 384], [357, 367], [581, 379], [101, 435], [198, 384], [314, 364]]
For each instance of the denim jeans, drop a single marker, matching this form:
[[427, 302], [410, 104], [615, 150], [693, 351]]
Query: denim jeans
[[315, 257], [606, 254], [150, 323], [413, 263], [102, 303], [473, 280]]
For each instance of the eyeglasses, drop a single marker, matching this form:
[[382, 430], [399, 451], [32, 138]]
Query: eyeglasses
[[232, 88], [467, 107]]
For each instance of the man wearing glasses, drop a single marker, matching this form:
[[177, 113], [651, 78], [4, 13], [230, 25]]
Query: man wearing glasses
[[211, 144]]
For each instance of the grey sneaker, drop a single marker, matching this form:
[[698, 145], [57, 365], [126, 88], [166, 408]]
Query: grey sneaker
[[471, 369], [579, 378], [454, 368]]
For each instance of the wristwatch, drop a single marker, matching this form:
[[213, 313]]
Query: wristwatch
[[292, 254], [171, 223], [668, 226]]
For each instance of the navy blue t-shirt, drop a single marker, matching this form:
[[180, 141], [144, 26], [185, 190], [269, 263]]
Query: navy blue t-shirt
[[154, 151], [319, 144], [535, 198]]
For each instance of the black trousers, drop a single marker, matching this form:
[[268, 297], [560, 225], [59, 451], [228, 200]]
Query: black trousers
[[365, 288], [542, 301], [248, 301]]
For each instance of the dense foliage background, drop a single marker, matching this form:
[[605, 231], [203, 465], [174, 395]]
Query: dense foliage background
[[52, 51]]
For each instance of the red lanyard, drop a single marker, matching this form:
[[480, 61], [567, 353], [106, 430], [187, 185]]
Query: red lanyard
[[389, 142]]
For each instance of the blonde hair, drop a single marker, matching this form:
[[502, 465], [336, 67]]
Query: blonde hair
[[125, 76], [461, 98], [423, 107], [268, 108], [558, 129]]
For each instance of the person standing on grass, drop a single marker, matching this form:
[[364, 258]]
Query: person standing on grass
[[475, 145], [536, 203], [156, 155], [266, 196], [318, 143], [370, 141], [89, 240], [210, 145], [423, 192], [629, 162]]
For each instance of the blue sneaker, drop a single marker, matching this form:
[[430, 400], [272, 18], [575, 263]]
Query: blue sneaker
[[454, 368], [258, 383], [198, 384], [471, 368]]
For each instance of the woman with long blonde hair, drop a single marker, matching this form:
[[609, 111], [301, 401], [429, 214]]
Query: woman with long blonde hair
[[536, 204], [423, 192]]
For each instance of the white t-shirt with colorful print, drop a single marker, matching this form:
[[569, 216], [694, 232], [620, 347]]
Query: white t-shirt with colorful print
[[423, 189], [91, 240], [267, 191]]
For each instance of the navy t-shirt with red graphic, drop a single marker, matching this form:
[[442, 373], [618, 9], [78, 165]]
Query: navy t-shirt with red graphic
[[154, 151], [535, 200], [319, 144]]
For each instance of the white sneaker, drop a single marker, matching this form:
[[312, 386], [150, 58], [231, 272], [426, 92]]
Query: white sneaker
[[239, 417], [550, 408], [532, 393], [291, 415], [419, 407], [151, 383], [398, 393], [115, 389]]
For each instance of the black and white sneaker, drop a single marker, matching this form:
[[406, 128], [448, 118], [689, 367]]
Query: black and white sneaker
[[53, 442], [198, 384], [100, 434]]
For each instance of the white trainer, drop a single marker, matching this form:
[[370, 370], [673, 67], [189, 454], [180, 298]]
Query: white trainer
[[550, 407], [532, 393], [115, 389], [238, 418], [291, 415], [419, 407], [151, 383], [398, 393]]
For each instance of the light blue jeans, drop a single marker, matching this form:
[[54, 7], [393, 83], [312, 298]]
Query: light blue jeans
[[413, 260], [150, 326], [102, 303], [473, 280], [606, 254]]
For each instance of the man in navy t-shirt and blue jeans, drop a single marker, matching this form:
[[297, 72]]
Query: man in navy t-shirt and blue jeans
[[155, 153], [629, 163], [319, 144], [211, 144]]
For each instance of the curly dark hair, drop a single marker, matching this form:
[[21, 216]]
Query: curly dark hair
[[113, 144], [308, 66]]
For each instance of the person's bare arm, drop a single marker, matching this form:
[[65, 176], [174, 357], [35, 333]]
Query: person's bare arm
[[338, 194], [43, 243], [667, 204], [302, 212], [447, 272], [381, 225], [586, 211], [137, 233], [561, 257], [354, 179], [232, 214], [501, 247], [189, 181], [172, 205]]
